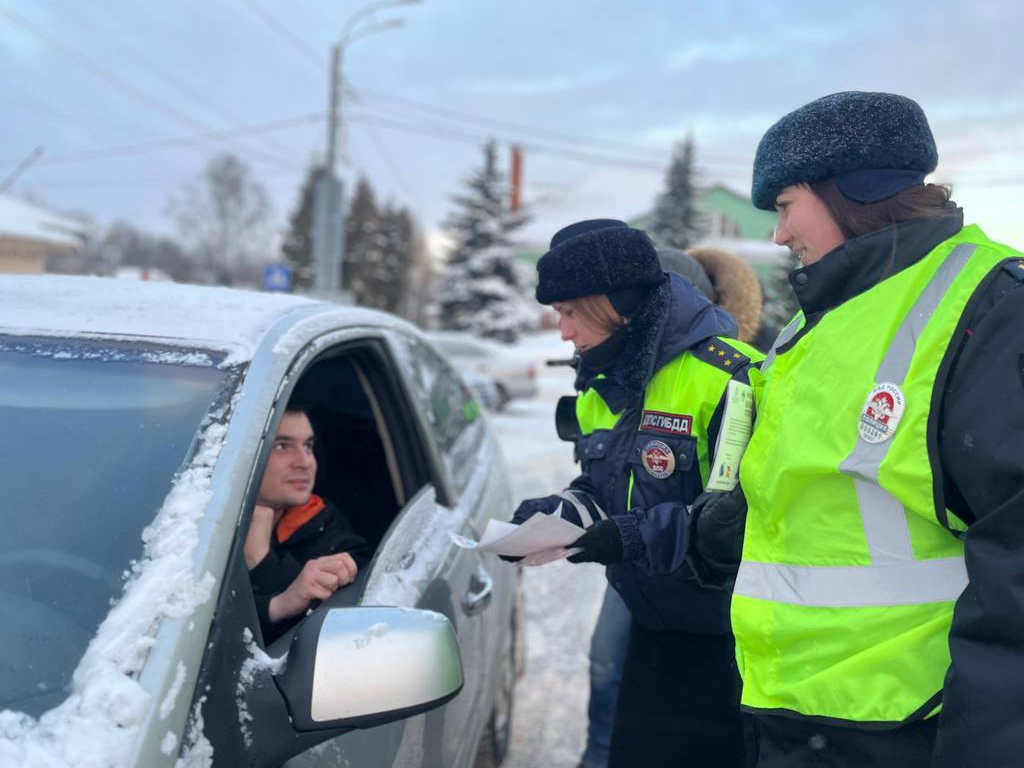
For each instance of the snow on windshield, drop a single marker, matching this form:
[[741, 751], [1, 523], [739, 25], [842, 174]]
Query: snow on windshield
[[97, 725]]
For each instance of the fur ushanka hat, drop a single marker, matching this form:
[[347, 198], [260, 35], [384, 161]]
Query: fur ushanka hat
[[873, 144], [599, 256]]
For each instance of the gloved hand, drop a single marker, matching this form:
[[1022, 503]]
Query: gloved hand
[[577, 507], [531, 507], [602, 543], [721, 518]]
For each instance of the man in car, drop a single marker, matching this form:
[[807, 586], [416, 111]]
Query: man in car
[[299, 549]]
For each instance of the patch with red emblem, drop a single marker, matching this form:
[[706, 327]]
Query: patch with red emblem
[[881, 413], [658, 459], [668, 423]]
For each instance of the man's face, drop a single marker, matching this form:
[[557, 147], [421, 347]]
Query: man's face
[[805, 225], [291, 468]]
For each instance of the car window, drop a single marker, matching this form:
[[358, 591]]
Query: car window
[[452, 413], [92, 438]]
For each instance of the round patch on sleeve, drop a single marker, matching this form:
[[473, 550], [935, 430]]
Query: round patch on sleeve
[[881, 413], [658, 459]]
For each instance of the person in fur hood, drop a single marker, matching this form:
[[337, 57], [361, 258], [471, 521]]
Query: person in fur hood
[[660, 375]]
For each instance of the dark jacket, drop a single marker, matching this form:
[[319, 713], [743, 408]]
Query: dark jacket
[[661, 595], [980, 459], [328, 532]]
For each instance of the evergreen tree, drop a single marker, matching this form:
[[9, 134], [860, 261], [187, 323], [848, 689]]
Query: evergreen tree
[[678, 222], [365, 242], [484, 286], [297, 248]]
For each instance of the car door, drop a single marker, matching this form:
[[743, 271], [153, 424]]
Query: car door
[[469, 587]]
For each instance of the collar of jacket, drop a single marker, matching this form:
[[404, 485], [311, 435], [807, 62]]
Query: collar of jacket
[[862, 262], [675, 317]]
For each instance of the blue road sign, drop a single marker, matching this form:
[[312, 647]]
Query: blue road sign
[[277, 277]]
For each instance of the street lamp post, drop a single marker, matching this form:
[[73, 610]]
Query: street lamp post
[[328, 204]]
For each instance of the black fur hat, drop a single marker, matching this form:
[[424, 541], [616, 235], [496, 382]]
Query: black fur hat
[[599, 256], [873, 144]]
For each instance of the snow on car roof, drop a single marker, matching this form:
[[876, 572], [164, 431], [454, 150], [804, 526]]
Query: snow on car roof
[[172, 313]]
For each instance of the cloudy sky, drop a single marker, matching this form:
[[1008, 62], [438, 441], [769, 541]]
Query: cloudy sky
[[130, 98]]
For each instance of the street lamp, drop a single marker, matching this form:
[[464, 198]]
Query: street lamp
[[328, 206]]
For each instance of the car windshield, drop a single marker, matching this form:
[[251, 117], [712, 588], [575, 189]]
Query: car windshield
[[92, 438]]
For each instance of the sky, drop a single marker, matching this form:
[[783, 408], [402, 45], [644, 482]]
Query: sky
[[130, 99]]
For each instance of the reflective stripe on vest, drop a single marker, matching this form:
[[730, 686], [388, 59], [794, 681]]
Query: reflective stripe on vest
[[894, 577]]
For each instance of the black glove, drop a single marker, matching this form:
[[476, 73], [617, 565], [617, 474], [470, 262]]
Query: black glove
[[531, 507], [721, 518], [602, 543], [570, 500]]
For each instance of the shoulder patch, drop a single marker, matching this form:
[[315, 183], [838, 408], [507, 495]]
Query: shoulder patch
[[719, 353], [1016, 268]]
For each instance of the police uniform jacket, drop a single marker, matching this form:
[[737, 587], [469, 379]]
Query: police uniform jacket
[[655, 578]]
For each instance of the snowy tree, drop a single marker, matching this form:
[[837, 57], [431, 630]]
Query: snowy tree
[[678, 222], [297, 248], [382, 251], [484, 285], [224, 218]]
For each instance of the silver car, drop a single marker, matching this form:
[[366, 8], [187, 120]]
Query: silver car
[[512, 377], [137, 419]]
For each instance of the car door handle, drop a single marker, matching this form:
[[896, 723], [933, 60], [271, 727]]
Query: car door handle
[[478, 596]]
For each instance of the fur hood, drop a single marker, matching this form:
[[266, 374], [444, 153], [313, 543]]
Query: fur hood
[[737, 287]]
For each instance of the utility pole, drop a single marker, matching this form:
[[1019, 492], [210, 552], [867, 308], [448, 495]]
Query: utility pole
[[329, 201], [328, 198]]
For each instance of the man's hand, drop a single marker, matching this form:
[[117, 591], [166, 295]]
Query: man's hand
[[257, 541], [319, 579], [602, 543]]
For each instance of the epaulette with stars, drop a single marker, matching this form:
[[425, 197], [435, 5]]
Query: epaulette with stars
[[1016, 268], [718, 353]]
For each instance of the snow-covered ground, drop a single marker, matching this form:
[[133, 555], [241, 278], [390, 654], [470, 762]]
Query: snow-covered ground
[[562, 600]]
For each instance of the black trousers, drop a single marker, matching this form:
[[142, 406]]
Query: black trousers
[[783, 742], [678, 703]]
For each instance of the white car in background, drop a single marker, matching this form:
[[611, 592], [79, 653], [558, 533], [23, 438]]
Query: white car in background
[[513, 377]]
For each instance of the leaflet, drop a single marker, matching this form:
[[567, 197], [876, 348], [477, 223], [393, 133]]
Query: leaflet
[[541, 539]]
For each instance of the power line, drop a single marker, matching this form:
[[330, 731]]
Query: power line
[[465, 117], [157, 145], [175, 82], [296, 42], [102, 72], [480, 120]]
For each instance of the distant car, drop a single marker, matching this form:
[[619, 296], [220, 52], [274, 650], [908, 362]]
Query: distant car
[[512, 377], [482, 387], [137, 419]]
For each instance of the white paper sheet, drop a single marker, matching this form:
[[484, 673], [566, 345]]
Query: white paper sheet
[[541, 539]]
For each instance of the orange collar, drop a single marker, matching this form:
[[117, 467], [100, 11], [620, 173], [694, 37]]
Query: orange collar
[[296, 517]]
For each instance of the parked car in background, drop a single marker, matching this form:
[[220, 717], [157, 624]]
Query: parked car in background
[[138, 418], [512, 377]]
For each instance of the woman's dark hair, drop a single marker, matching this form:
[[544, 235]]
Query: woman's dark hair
[[856, 219]]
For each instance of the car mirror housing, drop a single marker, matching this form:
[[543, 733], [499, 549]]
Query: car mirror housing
[[366, 666]]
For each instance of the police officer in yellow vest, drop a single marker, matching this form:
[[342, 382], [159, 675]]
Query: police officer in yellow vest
[[660, 387], [879, 605]]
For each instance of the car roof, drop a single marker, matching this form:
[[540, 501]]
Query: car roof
[[167, 313]]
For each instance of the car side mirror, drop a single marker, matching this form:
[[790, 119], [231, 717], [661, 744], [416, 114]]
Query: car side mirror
[[349, 668], [361, 667]]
